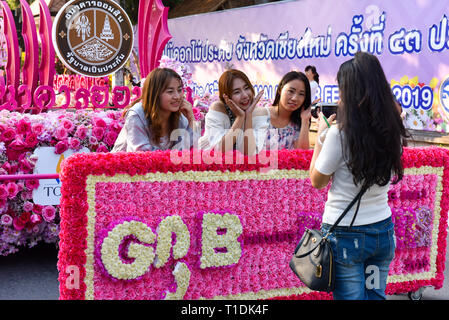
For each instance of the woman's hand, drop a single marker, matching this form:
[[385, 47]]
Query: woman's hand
[[187, 110], [253, 105], [306, 114], [238, 112], [322, 124]]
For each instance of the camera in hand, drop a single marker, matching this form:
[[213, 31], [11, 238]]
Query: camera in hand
[[326, 108]]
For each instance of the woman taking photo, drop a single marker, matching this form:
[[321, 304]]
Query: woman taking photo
[[363, 150], [290, 114], [151, 119], [234, 122]]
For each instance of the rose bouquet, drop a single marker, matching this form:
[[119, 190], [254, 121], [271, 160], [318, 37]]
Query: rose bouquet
[[23, 222]]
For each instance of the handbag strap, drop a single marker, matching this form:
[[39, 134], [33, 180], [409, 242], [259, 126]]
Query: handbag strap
[[356, 211], [358, 197]]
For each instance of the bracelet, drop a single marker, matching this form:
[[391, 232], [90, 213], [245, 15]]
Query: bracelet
[[322, 137]]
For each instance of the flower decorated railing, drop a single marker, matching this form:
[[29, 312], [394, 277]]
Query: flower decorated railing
[[22, 222], [161, 225]]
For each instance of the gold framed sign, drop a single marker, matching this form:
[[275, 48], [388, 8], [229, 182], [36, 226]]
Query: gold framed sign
[[93, 38]]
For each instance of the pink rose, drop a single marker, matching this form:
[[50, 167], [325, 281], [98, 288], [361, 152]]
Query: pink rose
[[116, 126], [74, 144], [23, 127], [27, 194], [18, 224], [27, 206], [93, 141], [31, 140], [68, 125], [37, 208], [48, 212], [197, 114], [12, 189], [13, 168], [26, 166], [16, 148], [98, 132], [110, 138], [6, 220], [61, 133], [32, 184], [35, 218], [8, 135], [37, 128], [102, 148], [98, 122], [81, 132], [61, 147]]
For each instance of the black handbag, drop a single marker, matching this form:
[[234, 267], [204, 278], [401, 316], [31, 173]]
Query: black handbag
[[313, 260]]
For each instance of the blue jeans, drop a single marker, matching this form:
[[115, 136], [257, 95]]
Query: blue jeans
[[362, 257]]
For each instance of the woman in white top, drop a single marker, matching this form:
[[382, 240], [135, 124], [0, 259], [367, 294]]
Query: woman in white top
[[234, 122], [314, 79], [363, 150], [152, 120], [290, 114]]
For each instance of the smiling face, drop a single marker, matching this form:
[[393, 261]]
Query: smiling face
[[171, 97], [293, 95], [241, 93]]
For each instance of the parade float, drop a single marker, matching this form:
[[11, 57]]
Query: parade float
[[169, 225]]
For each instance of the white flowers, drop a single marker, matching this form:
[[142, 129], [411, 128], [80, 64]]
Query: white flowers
[[143, 255], [182, 279], [220, 246], [171, 224]]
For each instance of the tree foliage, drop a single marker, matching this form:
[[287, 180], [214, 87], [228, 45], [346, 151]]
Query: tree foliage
[[132, 7]]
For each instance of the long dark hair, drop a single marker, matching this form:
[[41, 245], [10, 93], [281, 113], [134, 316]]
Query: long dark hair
[[373, 130], [155, 84], [295, 117], [316, 76]]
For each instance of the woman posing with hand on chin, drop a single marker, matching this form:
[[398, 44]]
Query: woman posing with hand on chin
[[234, 122], [161, 110], [290, 114]]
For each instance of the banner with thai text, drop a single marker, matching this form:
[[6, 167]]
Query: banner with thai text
[[410, 38]]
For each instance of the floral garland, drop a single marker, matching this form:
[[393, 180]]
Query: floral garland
[[184, 197], [23, 222]]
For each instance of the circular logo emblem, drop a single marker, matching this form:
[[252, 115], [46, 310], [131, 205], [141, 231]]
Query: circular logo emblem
[[93, 38], [444, 95]]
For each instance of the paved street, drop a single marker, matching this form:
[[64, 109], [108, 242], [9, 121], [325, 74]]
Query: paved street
[[32, 274]]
